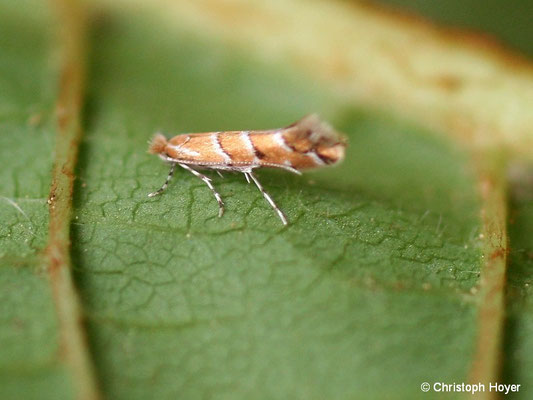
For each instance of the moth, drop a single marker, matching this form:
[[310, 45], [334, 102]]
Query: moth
[[305, 144]]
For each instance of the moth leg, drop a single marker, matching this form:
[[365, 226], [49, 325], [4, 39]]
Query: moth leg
[[209, 184], [219, 173], [267, 197], [165, 185], [247, 177]]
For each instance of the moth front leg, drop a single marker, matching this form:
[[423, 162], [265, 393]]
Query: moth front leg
[[165, 185]]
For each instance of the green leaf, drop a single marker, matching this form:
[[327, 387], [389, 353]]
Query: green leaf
[[182, 303], [518, 344], [372, 289], [29, 364]]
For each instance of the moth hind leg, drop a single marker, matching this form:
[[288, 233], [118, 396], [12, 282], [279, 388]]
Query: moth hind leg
[[250, 175], [207, 181]]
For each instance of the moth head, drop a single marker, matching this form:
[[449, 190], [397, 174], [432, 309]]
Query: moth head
[[157, 144]]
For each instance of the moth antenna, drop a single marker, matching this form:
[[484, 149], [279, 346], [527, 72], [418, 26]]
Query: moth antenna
[[158, 144]]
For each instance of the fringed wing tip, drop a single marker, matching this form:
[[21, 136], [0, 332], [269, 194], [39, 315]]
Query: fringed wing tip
[[319, 130], [157, 144]]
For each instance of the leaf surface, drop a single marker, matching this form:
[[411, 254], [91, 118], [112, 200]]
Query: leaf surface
[[30, 367], [519, 328], [373, 287], [182, 303]]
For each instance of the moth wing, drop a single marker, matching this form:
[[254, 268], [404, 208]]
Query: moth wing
[[313, 129]]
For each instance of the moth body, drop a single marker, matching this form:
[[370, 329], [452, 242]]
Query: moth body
[[308, 143]]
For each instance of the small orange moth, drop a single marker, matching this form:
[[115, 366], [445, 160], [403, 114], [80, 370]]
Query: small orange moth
[[307, 143]]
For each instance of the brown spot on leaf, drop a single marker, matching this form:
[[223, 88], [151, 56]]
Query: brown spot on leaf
[[500, 252]]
